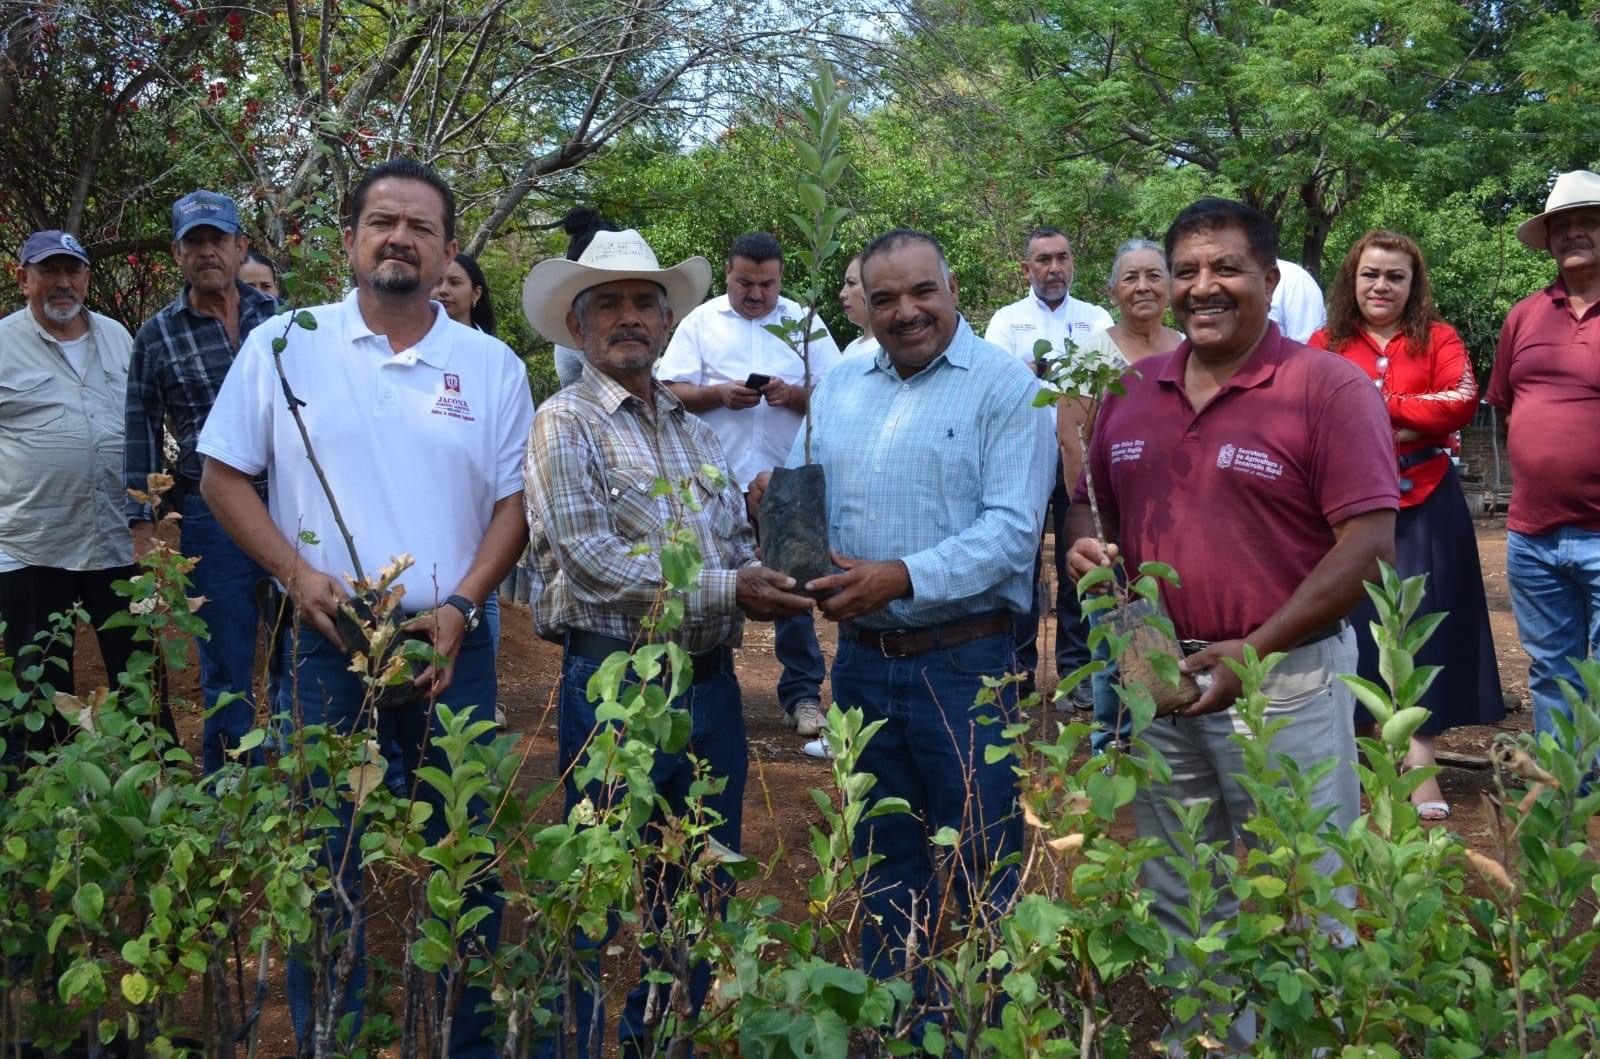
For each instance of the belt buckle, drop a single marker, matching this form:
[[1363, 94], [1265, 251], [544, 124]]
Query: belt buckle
[[1190, 647], [883, 643]]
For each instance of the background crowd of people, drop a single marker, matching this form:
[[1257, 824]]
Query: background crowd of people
[[1271, 452]]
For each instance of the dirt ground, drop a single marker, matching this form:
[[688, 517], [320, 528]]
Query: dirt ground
[[777, 809]]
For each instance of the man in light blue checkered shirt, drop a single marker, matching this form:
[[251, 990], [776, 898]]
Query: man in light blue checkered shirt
[[938, 468]]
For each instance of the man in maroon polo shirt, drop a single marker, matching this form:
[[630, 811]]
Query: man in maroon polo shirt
[[1263, 472], [1547, 379]]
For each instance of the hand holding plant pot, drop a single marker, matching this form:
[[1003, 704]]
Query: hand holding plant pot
[[1139, 635]]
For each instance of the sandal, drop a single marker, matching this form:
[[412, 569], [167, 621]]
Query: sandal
[[1433, 811]]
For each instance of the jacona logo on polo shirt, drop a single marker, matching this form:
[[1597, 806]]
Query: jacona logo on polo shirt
[[450, 403], [1249, 461]]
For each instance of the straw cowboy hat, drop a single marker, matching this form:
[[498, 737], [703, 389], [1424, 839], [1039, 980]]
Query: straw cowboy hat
[[1577, 188], [549, 290]]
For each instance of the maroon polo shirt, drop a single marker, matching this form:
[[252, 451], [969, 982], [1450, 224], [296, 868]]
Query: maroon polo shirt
[[1546, 377], [1241, 497]]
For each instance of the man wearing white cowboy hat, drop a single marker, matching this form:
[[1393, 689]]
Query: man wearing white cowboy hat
[[596, 451], [1546, 380]]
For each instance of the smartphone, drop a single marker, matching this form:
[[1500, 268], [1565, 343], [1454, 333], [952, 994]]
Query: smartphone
[[757, 381]]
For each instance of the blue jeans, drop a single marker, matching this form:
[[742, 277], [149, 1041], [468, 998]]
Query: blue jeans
[[227, 578], [317, 688], [396, 776], [717, 738], [1555, 595], [1114, 723], [795, 644], [1072, 632], [931, 753]]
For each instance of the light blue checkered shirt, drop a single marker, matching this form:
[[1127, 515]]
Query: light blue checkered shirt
[[949, 470]]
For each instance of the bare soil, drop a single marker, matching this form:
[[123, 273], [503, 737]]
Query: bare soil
[[778, 811]]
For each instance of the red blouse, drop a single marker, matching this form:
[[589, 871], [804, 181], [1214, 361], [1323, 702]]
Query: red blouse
[[1435, 394]]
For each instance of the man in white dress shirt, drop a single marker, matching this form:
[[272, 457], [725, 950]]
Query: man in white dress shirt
[[712, 356], [1297, 306], [1049, 311]]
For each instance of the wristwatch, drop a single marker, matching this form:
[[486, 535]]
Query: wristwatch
[[468, 609]]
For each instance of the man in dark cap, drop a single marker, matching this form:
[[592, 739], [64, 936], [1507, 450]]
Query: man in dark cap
[[180, 358], [63, 538]]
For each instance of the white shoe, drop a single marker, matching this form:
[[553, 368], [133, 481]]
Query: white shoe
[[818, 748], [807, 715], [500, 715]]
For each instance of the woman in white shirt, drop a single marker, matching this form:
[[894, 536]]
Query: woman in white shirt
[[1139, 285]]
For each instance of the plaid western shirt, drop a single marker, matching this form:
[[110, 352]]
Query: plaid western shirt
[[593, 459], [180, 358]]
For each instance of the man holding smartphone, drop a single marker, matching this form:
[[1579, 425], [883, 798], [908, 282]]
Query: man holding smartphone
[[749, 387]]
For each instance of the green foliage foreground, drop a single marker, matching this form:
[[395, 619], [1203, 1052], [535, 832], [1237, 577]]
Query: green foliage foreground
[[138, 901]]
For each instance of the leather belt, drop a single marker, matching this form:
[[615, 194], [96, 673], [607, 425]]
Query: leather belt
[[1190, 647], [598, 646], [898, 643]]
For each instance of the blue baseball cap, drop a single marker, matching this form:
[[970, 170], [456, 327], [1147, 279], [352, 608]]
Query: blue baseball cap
[[204, 207], [49, 243]]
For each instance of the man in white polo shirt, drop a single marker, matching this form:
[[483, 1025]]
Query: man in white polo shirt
[[419, 424], [1049, 311], [717, 349]]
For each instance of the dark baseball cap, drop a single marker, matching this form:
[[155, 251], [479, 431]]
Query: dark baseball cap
[[204, 207], [49, 243]]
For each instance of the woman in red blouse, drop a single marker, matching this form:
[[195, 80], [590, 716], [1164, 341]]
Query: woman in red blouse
[[1382, 318]]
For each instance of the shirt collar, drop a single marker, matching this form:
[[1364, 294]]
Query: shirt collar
[[958, 353], [52, 339], [724, 304], [1263, 363], [249, 299], [1044, 306], [433, 349], [611, 395]]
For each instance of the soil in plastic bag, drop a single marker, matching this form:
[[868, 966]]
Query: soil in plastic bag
[[390, 695], [793, 524], [1147, 640]]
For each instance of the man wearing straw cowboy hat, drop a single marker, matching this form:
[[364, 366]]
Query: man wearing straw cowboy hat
[[1546, 378], [596, 451]]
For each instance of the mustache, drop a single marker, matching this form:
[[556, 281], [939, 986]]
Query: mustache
[[398, 254], [630, 334], [910, 325], [1190, 305]]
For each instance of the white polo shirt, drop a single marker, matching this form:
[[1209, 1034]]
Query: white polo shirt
[[714, 345], [418, 446], [864, 346], [1297, 306], [1016, 327]]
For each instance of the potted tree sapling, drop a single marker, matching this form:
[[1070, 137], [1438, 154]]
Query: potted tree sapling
[[1141, 637], [793, 519]]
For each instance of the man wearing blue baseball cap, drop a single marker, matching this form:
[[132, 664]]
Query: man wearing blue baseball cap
[[180, 357], [63, 538]]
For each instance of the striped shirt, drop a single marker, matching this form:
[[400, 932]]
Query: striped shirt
[[180, 358], [948, 471], [594, 457]]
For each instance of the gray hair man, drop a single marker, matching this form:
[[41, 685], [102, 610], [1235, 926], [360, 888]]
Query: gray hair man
[[63, 540], [180, 357]]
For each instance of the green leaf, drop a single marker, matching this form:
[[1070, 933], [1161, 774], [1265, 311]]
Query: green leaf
[[305, 320], [135, 988], [89, 902], [280, 344], [1269, 886], [811, 196]]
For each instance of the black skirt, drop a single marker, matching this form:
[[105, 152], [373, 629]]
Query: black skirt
[[1436, 538]]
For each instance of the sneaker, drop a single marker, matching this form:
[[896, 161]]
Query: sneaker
[[818, 748], [500, 716], [1083, 697], [807, 717]]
